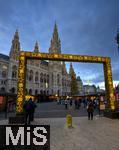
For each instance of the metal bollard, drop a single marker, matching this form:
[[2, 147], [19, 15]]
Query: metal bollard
[[69, 121]]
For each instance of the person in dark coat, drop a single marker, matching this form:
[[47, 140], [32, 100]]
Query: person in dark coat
[[75, 104], [70, 102], [90, 110], [33, 111], [78, 103], [29, 108]]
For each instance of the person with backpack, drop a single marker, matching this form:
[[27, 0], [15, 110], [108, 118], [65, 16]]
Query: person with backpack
[[90, 110], [28, 110]]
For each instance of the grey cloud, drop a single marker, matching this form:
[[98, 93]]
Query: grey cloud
[[85, 27]]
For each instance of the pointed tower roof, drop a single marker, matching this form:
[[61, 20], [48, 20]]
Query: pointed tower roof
[[36, 47], [15, 47], [71, 69], [55, 33], [16, 35], [64, 70], [55, 46]]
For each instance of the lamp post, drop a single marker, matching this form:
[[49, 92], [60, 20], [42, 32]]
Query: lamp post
[[117, 39]]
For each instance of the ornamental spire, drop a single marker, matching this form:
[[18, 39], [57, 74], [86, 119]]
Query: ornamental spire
[[15, 48], [36, 48], [55, 46], [71, 69]]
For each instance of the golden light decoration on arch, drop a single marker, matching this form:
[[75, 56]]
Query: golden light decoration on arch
[[62, 57]]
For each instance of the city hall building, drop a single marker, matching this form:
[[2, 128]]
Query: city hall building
[[42, 76]]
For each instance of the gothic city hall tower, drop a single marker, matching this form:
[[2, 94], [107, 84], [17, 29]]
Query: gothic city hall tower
[[42, 76]]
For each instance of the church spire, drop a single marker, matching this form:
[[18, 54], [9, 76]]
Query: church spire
[[55, 46], [36, 48], [15, 48], [71, 69], [16, 35], [55, 33]]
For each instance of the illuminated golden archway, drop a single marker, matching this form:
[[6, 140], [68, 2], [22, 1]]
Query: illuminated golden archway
[[62, 57]]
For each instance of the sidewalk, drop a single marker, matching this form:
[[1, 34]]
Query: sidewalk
[[99, 134]]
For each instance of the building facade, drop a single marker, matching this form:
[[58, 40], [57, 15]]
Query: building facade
[[89, 89], [80, 86], [42, 77]]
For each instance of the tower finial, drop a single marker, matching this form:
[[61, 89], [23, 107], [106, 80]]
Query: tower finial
[[55, 41], [16, 35], [71, 69], [15, 48], [55, 26], [36, 48]]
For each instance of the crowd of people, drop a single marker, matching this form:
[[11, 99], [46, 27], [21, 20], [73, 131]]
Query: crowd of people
[[89, 104]]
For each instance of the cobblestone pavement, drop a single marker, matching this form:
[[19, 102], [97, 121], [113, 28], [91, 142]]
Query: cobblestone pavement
[[98, 134]]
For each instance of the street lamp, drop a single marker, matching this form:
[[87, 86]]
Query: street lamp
[[117, 39]]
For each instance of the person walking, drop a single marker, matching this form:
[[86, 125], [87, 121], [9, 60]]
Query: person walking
[[90, 110]]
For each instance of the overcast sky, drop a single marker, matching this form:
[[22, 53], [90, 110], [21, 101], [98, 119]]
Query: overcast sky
[[86, 27]]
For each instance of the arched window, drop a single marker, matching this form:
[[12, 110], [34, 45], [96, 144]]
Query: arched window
[[52, 77], [41, 77], [4, 74], [2, 89], [31, 75], [62, 82], [27, 74], [26, 91], [44, 92], [36, 92], [30, 91], [14, 71], [65, 82], [36, 76], [12, 90], [44, 78], [41, 91], [58, 78], [58, 92]]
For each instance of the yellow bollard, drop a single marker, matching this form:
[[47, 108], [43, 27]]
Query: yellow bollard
[[69, 121]]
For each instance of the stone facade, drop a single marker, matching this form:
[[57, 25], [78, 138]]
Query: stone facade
[[89, 89], [42, 77]]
